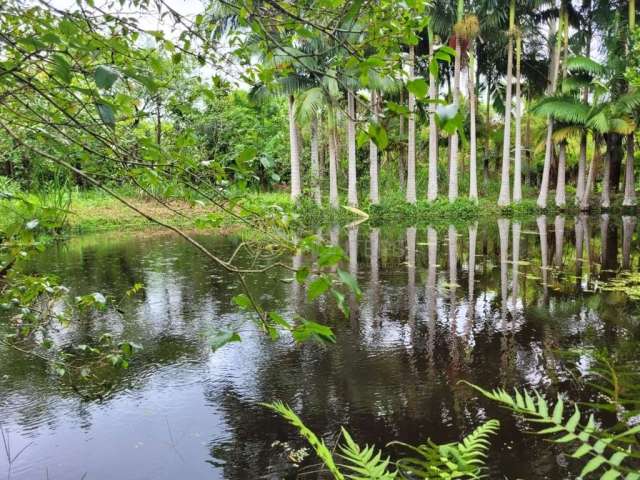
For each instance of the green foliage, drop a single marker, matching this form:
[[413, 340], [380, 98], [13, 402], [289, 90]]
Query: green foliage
[[608, 454], [464, 459]]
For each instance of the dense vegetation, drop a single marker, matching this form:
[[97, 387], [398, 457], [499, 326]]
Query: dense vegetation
[[402, 111]]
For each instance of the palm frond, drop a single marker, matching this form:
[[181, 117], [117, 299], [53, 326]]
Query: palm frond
[[563, 133], [309, 103], [566, 109], [584, 64]]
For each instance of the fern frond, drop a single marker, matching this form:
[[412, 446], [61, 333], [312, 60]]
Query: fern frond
[[318, 445], [364, 463], [606, 451], [452, 460]]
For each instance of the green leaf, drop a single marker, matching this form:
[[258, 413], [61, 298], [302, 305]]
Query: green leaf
[[106, 114], [418, 87], [319, 286], [243, 301], [302, 274], [105, 77], [592, 465], [350, 281], [220, 339], [308, 329]]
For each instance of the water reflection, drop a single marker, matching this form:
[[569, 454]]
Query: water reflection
[[487, 303]]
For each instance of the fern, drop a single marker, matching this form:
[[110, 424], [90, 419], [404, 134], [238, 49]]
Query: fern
[[318, 445], [452, 460], [364, 463], [608, 453]]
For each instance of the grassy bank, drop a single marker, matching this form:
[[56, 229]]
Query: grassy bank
[[94, 211]]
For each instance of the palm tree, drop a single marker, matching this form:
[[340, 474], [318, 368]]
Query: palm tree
[[561, 199], [629, 180], [352, 193], [411, 132], [374, 196], [453, 158], [517, 156], [432, 189], [553, 79], [294, 148], [505, 198]]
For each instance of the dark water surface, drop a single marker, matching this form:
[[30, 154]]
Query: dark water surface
[[488, 303]]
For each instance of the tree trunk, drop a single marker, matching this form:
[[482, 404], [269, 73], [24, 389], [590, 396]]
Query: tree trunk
[[517, 170], [315, 161], [333, 162], [352, 193], [582, 165], [553, 79], [505, 198], [629, 180], [411, 132], [453, 144], [295, 152], [432, 191], [402, 166], [485, 169], [561, 199], [473, 173], [373, 155], [584, 201], [158, 123], [605, 202]]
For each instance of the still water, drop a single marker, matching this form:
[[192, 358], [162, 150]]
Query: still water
[[490, 303]]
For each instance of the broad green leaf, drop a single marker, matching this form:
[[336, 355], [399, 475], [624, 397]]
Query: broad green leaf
[[418, 87], [243, 301], [316, 288], [220, 339], [105, 77]]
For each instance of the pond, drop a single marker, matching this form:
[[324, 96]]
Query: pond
[[490, 303]]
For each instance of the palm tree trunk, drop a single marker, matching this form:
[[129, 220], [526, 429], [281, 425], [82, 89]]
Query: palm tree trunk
[[553, 78], [334, 201], [315, 161], [352, 193], [561, 198], [584, 200], [605, 201], [453, 144], [295, 151], [517, 171], [582, 164], [411, 132], [473, 168], [485, 169], [629, 180], [505, 198], [373, 155], [402, 167], [432, 191]]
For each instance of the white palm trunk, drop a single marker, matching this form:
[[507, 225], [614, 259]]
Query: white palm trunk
[[453, 144], [315, 161], [294, 152], [432, 189], [374, 196], [553, 80], [605, 201], [591, 177], [561, 196], [473, 235], [517, 157], [505, 197], [582, 166], [473, 167], [629, 180], [544, 252], [628, 227], [411, 132], [352, 193], [334, 200]]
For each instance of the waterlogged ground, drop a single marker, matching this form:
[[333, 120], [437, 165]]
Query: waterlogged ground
[[490, 303]]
